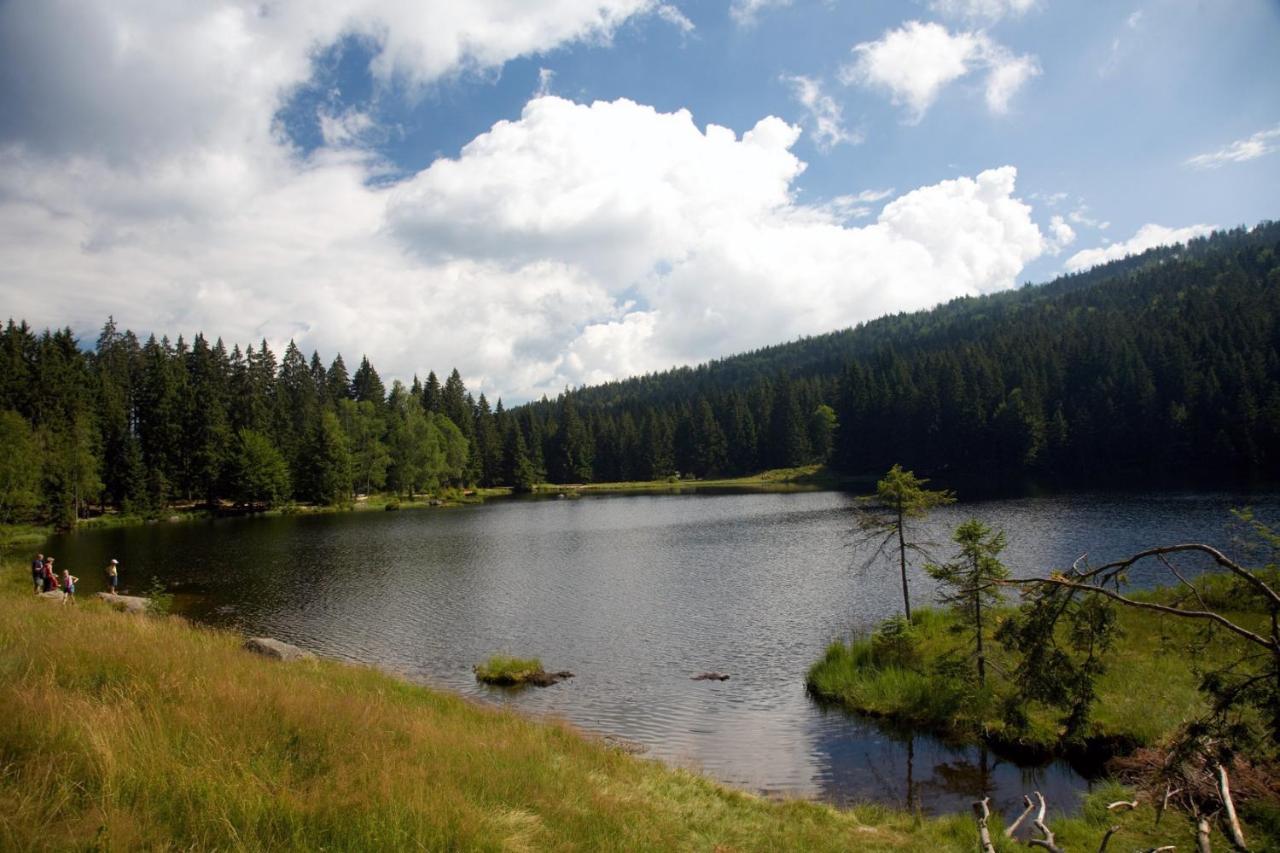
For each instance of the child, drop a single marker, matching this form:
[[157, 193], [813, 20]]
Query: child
[[113, 576], [68, 586]]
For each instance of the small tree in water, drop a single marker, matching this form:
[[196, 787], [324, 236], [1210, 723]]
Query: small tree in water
[[899, 496], [971, 582]]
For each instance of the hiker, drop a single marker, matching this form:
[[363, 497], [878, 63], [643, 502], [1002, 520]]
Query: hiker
[[68, 586], [113, 576], [37, 573], [50, 576]]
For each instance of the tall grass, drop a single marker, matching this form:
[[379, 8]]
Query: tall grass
[[868, 675]]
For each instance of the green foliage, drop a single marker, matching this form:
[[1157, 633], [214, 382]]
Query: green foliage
[[504, 669], [19, 469], [900, 496], [159, 599], [896, 643], [257, 472], [971, 584]]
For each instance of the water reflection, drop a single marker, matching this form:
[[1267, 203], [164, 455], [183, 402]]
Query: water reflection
[[635, 594]]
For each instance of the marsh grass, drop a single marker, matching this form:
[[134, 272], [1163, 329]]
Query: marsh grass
[[503, 669], [1154, 652]]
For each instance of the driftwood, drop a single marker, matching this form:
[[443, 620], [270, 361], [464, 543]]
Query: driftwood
[[1013, 827], [982, 812], [1202, 835], [1234, 833], [1106, 839], [1047, 842]]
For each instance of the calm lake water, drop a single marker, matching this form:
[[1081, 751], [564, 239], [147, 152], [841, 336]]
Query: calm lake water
[[636, 593]]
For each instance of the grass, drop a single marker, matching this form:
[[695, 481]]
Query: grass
[[865, 675], [502, 669], [804, 476], [129, 733]]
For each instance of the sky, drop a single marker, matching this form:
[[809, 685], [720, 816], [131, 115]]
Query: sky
[[558, 193]]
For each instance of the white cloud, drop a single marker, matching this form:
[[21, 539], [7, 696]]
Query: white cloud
[[987, 10], [825, 118], [575, 243], [1242, 150], [545, 76], [1006, 77], [1148, 237], [1061, 235], [1080, 216], [672, 15], [915, 62], [744, 12]]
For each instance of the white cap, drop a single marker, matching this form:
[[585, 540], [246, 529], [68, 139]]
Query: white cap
[[113, 561]]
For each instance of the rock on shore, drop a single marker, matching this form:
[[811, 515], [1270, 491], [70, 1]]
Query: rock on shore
[[127, 603], [271, 648]]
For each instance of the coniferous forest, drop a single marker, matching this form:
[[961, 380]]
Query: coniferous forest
[[1160, 368]]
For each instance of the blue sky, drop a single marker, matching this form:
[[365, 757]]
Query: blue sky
[[514, 189]]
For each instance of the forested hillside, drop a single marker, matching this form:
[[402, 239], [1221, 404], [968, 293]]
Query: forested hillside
[[1161, 367]]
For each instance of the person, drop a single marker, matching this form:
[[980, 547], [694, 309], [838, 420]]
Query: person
[[68, 586], [37, 573], [113, 576], [50, 576]]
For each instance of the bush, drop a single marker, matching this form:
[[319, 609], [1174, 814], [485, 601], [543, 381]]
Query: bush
[[896, 643]]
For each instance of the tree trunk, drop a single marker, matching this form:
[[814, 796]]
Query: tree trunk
[[977, 618], [902, 563]]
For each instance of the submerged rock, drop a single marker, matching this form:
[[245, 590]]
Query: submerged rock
[[536, 677], [709, 676], [127, 603], [271, 648]]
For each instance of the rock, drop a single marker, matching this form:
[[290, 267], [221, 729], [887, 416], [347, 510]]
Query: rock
[[710, 676], [267, 647], [127, 603], [52, 595], [546, 679]]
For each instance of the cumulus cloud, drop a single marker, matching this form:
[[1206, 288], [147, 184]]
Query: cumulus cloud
[[574, 243], [1148, 237], [1242, 150], [983, 10], [1061, 235], [824, 116], [915, 62]]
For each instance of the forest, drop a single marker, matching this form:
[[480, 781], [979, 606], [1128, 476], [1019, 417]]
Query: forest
[[1162, 367]]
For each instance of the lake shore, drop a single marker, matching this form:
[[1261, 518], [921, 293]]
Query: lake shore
[[808, 477], [118, 735]]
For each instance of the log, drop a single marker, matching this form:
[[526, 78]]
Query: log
[[1234, 833], [1202, 835], [1013, 827], [982, 812]]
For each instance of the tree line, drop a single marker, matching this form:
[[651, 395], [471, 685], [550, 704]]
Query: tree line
[[1165, 365]]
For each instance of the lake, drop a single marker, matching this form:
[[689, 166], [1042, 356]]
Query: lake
[[635, 594]]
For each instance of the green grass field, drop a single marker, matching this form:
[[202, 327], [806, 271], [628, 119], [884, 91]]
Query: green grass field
[[124, 733]]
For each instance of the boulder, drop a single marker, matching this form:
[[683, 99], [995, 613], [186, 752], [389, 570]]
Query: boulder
[[267, 647], [127, 603], [709, 676]]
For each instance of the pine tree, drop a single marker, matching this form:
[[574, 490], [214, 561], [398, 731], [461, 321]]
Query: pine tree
[[517, 470], [900, 497], [971, 583], [366, 386], [337, 381]]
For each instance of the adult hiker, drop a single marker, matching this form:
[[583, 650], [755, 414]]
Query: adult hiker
[[68, 586], [113, 575], [37, 573]]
